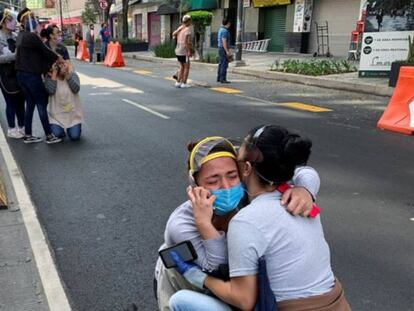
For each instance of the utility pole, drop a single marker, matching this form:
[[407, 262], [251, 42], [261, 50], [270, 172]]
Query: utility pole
[[61, 15], [239, 34]]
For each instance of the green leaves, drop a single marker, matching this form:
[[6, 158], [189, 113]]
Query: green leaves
[[313, 67], [201, 18], [164, 50]]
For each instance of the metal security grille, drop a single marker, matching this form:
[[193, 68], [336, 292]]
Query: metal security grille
[[275, 27]]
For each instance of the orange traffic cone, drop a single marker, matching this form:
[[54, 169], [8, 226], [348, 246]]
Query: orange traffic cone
[[399, 115], [83, 53], [116, 59], [109, 53]]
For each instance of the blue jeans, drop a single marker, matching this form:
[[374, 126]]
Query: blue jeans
[[104, 48], [74, 132], [187, 300], [223, 65], [14, 108], [91, 48], [36, 96]]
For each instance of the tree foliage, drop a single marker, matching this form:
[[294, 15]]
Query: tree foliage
[[89, 15], [200, 20]]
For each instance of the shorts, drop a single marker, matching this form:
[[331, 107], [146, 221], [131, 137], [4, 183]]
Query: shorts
[[182, 58]]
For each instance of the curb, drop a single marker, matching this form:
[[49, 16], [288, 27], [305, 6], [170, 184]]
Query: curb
[[361, 87]]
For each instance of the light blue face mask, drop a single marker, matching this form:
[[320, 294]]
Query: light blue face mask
[[227, 199]]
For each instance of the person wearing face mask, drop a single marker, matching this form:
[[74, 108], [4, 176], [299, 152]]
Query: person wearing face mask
[[90, 40], [54, 41], [299, 272], [65, 111], [212, 165], [33, 60], [10, 88]]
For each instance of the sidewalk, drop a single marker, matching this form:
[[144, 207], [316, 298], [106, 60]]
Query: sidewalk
[[21, 287], [258, 65], [29, 280]]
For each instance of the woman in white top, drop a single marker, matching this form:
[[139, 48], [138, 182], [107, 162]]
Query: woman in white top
[[297, 256], [64, 109], [212, 165]]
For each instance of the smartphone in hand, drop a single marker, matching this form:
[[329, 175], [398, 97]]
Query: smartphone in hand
[[184, 249]]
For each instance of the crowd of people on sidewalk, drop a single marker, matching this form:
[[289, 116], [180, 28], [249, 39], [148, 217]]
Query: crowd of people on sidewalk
[[184, 51], [36, 72]]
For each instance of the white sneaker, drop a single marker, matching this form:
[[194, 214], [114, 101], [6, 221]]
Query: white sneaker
[[21, 130], [177, 84], [14, 133], [185, 86]]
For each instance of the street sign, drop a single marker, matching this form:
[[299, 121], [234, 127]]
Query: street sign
[[103, 4]]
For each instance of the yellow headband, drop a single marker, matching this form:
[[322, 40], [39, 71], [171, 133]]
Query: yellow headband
[[216, 155], [25, 14], [210, 156]]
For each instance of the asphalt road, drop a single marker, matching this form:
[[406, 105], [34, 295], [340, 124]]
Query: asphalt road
[[104, 201]]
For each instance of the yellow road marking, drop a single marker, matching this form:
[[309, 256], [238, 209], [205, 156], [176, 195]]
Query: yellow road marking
[[142, 72], [226, 90], [169, 78], [306, 107]]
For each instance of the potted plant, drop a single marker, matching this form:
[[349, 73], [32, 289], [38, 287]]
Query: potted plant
[[133, 45], [395, 66]]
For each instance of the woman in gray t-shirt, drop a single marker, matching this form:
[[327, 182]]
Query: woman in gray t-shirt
[[212, 165], [297, 255]]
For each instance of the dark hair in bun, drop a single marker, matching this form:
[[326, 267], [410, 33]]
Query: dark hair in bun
[[275, 152]]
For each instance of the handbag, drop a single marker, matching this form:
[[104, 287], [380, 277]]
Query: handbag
[[8, 74], [266, 299], [230, 58]]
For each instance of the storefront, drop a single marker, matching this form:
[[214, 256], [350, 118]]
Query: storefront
[[146, 23], [342, 16]]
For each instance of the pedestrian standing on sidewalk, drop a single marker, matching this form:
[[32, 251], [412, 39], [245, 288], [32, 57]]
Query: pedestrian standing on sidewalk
[[10, 88], [223, 50], [65, 112], [33, 59], [90, 39], [105, 36], [183, 51], [78, 38]]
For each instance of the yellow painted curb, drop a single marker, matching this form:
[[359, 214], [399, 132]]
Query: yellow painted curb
[[3, 194], [226, 90], [305, 107]]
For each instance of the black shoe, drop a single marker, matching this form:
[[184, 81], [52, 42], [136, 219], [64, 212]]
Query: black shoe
[[32, 139], [225, 82], [52, 139], [131, 307], [175, 77]]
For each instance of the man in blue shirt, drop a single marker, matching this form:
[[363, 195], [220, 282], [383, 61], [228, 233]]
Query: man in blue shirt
[[224, 52], [105, 35]]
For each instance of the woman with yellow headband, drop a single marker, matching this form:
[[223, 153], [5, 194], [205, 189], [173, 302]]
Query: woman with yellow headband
[[212, 165], [288, 256]]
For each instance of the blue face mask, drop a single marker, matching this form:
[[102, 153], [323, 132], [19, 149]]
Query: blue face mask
[[227, 199]]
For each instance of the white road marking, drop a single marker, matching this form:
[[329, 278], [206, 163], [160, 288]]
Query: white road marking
[[52, 285], [146, 109], [412, 219], [101, 93]]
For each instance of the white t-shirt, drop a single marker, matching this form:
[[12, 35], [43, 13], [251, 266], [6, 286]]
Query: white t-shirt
[[181, 48], [297, 255]]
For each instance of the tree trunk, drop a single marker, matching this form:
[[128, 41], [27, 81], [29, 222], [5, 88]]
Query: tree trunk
[[125, 19]]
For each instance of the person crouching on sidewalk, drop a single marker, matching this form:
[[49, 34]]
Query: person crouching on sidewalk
[[183, 51], [65, 112]]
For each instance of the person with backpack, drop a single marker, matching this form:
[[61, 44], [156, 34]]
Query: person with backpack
[[10, 88]]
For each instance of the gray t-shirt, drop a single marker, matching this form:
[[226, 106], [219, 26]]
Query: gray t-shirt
[[297, 255], [211, 253]]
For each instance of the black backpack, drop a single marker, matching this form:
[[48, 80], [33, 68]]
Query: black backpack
[[8, 78]]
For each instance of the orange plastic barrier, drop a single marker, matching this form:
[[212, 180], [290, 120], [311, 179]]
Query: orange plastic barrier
[[399, 115], [114, 56], [83, 53]]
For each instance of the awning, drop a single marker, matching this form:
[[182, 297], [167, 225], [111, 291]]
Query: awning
[[265, 3], [115, 9], [66, 21], [169, 8], [132, 2], [203, 5]]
